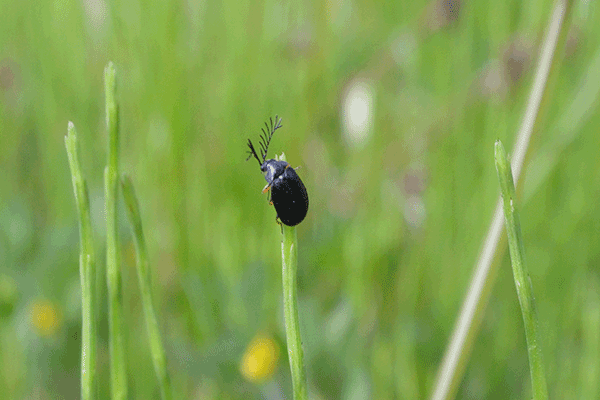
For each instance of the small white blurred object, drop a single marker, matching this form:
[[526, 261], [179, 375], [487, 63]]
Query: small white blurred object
[[357, 113]]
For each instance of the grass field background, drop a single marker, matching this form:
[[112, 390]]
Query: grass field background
[[391, 109]]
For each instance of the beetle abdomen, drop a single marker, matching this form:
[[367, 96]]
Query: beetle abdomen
[[289, 197]]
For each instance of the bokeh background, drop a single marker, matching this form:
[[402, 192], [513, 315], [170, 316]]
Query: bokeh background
[[391, 110]]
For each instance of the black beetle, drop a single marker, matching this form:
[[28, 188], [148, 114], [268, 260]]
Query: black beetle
[[288, 193]]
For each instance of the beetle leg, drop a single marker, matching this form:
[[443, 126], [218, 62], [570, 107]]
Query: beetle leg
[[279, 223], [265, 190]]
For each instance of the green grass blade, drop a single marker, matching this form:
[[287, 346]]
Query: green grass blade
[[465, 330], [118, 366], [156, 346], [521, 275], [86, 270]]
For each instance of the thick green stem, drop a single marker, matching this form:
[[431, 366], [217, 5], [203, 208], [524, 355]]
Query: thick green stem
[[156, 347], [86, 270], [118, 366], [521, 275], [289, 256]]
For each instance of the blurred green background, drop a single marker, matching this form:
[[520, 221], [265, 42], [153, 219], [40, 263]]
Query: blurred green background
[[390, 108]]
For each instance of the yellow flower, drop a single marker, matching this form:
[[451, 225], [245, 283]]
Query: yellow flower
[[45, 317], [260, 359]]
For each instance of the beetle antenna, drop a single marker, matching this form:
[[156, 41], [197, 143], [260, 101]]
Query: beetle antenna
[[252, 152], [265, 138]]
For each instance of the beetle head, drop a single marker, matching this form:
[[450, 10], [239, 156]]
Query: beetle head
[[273, 169]]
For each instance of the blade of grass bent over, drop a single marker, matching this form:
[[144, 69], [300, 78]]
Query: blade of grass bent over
[[289, 261], [118, 367], [87, 270], [455, 357], [521, 275], [156, 347]]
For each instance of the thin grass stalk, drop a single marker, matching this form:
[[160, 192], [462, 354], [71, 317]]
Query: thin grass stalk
[[87, 271], [156, 347], [456, 355], [118, 365], [521, 274], [289, 261]]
